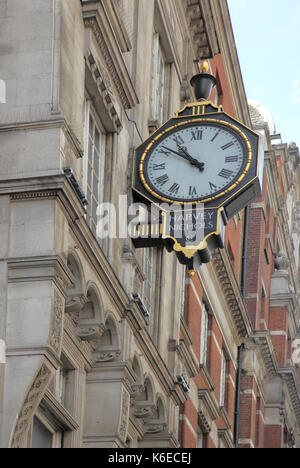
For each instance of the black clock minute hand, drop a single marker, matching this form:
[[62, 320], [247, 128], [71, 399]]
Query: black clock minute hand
[[186, 156], [193, 161]]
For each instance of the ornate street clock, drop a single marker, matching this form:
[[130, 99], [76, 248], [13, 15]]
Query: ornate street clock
[[202, 158]]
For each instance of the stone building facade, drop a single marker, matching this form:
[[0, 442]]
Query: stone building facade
[[87, 363]]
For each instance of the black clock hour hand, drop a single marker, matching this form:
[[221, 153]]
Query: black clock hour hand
[[193, 161], [186, 156]]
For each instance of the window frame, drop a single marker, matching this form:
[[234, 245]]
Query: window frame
[[57, 435], [148, 263], [204, 337], [90, 113], [158, 80], [223, 380]]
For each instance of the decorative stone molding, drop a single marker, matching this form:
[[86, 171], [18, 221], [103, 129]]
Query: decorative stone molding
[[226, 437], [281, 261], [32, 401], [289, 375], [144, 411], [136, 390], [208, 409], [264, 341], [108, 356], [50, 194], [118, 24], [90, 333], [57, 324], [124, 415], [296, 226], [202, 28], [155, 428], [74, 305], [231, 291], [96, 19], [40, 268], [187, 355], [102, 82]]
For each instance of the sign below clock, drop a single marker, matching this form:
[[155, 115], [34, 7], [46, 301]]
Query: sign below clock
[[187, 232], [201, 157]]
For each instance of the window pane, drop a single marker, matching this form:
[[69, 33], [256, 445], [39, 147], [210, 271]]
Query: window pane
[[89, 198], [95, 187], [89, 176], [91, 127], [97, 139], [96, 163], [90, 151], [93, 167], [41, 437], [94, 211]]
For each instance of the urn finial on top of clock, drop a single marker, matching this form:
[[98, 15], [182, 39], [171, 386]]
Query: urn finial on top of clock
[[203, 83]]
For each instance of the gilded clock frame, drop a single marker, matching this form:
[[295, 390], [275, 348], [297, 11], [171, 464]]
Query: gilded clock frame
[[180, 124]]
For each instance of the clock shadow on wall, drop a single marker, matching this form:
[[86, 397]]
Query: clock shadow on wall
[[201, 160]]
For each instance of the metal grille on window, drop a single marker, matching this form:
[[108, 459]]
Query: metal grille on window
[[94, 169], [157, 81]]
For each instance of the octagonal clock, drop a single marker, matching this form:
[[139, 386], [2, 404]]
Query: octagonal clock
[[201, 156]]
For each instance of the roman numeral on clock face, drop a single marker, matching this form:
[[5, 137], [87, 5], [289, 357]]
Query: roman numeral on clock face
[[165, 152], [212, 186], [230, 159], [174, 189], [178, 140], [216, 135], [197, 135], [192, 191], [225, 173], [162, 180], [229, 145], [158, 167]]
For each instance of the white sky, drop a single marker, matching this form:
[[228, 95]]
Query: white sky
[[267, 34]]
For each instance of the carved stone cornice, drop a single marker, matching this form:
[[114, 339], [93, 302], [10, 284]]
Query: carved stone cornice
[[264, 340], [232, 294], [102, 83], [200, 21], [208, 409], [57, 413], [187, 355], [118, 25], [96, 19], [226, 437], [288, 374], [40, 268]]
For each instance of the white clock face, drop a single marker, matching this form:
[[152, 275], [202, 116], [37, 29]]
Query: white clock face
[[195, 162]]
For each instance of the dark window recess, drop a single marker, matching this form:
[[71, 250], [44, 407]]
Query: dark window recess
[[266, 256]]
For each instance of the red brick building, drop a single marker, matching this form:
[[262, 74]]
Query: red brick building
[[242, 310]]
